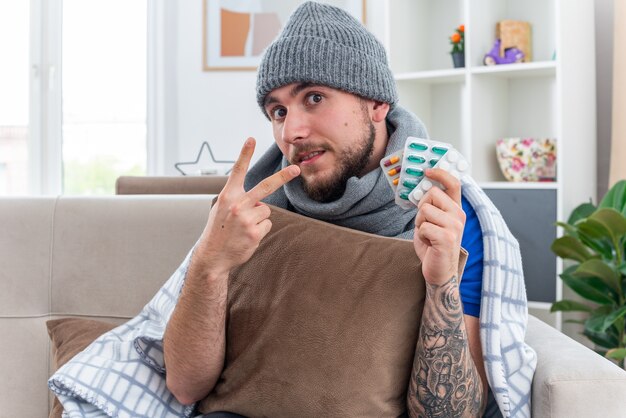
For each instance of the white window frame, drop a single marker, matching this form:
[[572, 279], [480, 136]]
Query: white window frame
[[162, 94], [35, 122], [156, 116], [46, 106]]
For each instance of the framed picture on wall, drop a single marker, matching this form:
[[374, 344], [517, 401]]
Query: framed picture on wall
[[236, 32]]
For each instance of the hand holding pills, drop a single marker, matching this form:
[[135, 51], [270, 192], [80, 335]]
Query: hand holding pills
[[427, 174], [238, 220], [439, 225]]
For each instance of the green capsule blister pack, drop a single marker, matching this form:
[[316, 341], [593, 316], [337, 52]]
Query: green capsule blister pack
[[418, 155]]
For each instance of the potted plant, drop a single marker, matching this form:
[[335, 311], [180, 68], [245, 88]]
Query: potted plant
[[458, 47], [595, 241]]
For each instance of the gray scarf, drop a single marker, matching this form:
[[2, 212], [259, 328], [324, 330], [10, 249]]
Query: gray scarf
[[368, 202]]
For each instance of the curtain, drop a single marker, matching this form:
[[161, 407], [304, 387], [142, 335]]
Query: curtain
[[618, 127]]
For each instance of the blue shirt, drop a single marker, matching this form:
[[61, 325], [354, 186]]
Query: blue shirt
[[472, 241]]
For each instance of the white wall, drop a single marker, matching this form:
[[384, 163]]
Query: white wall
[[214, 106]]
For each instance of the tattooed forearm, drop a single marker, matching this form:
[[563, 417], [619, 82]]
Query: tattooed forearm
[[444, 379]]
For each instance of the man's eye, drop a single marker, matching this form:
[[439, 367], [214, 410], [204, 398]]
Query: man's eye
[[314, 98], [278, 113]]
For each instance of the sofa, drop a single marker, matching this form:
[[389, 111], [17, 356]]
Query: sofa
[[104, 257]]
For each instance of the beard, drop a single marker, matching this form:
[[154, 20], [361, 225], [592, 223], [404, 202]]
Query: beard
[[351, 163]]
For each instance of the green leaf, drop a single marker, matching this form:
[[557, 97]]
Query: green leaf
[[570, 248], [616, 353], [569, 229], [581, 212], [593, 229], [569, 306], [612, 221], [599, 269], [602, 339], [613, 317], [588, 289], [615, 197], [603, 317], [601, 246], [595, 322]]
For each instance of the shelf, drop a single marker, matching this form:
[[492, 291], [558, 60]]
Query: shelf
[[539, 305], [473, 107], [522, 70], [543, 185], [456, 75]]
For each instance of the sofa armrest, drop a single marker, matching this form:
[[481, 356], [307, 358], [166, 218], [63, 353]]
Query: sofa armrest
[[170, 185], [571, 380]]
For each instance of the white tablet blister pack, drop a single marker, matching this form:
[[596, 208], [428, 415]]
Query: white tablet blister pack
[[418, 155]]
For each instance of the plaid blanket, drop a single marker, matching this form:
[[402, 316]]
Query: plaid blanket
[[122, 374]]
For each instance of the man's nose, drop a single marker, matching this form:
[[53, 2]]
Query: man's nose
[[296, 126]]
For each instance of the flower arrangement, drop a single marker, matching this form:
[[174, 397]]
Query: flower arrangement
[[458, 40]]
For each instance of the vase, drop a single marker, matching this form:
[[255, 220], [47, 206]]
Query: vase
[[458, 59]]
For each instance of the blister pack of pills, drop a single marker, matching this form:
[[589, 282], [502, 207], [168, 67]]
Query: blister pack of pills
[[392, 167], [418, 155]]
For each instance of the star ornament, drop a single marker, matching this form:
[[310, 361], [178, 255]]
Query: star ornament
[[204, 164]]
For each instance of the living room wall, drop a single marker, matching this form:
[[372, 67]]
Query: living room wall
[[220, 106], [214, 106]]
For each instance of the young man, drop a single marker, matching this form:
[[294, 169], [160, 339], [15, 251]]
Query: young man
[[330, 96]]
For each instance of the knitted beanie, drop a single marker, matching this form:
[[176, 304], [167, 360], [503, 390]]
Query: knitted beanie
[[325, 45]]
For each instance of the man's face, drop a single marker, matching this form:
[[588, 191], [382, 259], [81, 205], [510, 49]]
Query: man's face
[[327, 132]]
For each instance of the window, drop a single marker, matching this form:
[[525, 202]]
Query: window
[[104, 93], [73, 106], [14, 100]]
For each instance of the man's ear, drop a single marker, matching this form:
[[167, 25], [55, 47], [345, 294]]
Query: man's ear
[[380, 111]]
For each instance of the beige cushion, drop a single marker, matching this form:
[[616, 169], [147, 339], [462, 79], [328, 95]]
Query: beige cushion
[[23, 367], [69, 336], [111, 262], [25, 253], [322, 321]]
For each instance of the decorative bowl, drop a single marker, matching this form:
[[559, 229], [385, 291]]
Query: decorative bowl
[[527, 159]]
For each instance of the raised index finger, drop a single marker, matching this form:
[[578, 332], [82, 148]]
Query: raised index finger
[[272, 183], [240, 168]]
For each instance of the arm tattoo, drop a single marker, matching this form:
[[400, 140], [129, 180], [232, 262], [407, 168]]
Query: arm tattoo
[[444, 379]]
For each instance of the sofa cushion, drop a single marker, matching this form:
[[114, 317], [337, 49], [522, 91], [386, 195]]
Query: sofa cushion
[[68, 337], [322, 320]]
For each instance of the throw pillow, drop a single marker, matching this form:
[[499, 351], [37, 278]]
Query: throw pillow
[[322, 321], [69, 336]]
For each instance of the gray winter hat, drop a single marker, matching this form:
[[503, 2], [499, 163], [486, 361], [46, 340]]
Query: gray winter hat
[[325, 45]]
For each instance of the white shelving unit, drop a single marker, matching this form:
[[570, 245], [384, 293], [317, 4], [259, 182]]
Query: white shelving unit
[[551, 97]]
